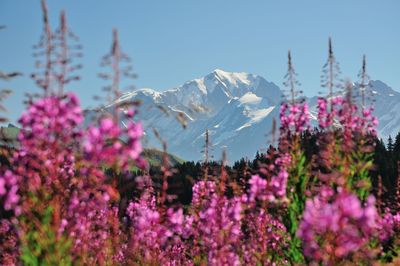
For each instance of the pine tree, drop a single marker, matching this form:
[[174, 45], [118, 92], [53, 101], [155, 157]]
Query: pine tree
[[390, 145], [396, 147], [391, 168], [207, 146]]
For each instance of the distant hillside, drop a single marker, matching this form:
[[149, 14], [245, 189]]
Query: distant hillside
[[8, 137], [154, 157]]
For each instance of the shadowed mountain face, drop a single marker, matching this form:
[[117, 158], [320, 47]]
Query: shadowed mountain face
[[238, 109], [387, 108]]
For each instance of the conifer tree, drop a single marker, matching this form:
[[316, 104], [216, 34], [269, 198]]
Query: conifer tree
[[396, 147], [390, 145], [207, 145]]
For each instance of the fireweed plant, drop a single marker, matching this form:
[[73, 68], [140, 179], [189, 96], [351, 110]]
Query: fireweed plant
[[59, 205]]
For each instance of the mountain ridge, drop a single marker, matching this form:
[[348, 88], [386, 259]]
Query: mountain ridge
[[237, 108]]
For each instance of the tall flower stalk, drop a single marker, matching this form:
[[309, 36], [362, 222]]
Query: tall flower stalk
[[331, 72]]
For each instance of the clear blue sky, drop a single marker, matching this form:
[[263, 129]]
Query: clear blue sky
[[173, 41]]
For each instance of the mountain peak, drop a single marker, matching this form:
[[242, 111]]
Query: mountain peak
[[239, 108], [219, 71], [233, 77], [380, 86], [224, 73]]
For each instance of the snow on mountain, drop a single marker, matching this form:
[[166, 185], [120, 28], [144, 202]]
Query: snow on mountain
[[387, 108], [238, 109]]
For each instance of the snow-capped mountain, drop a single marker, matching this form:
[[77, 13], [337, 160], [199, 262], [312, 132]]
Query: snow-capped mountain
[[238, 109], [387, 108]]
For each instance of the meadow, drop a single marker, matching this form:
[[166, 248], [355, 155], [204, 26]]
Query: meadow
[[60, 188]]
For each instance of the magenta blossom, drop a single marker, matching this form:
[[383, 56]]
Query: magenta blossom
[[110, 144], [9, 192], [334, 230], [294, 118]]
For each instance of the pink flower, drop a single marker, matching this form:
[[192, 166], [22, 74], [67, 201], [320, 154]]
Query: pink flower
[[258, 187], [342, 226], [9, 191], [294, 118], [126, 146]]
